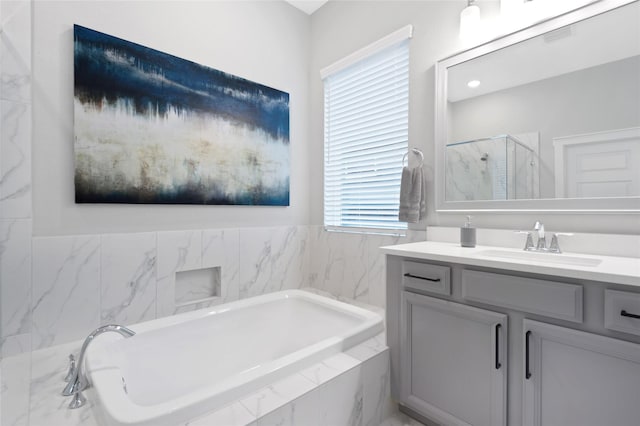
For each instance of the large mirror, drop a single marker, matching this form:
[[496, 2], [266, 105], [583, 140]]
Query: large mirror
[[547, 118]]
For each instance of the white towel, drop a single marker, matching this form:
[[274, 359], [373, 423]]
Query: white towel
[[412, 195]]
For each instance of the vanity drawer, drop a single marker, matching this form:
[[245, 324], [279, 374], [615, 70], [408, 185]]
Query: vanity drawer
[[620, 311], [549, 298], [426, 277]]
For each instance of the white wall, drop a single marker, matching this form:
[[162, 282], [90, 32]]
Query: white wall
[[340, 28], [266, 42]]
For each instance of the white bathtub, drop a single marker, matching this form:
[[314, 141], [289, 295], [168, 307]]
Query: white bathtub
[[177, 368]]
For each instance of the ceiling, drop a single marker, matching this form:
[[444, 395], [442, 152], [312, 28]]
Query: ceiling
[[307, 6]]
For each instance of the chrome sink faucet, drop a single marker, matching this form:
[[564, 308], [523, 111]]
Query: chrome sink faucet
[[75, 376], [541, 245], [542, 242]]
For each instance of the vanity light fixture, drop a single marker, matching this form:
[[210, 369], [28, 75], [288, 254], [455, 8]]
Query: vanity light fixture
[[473, 84], [469, 20]]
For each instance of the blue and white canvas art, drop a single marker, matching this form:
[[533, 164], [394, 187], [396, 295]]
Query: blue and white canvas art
[[153, 128]]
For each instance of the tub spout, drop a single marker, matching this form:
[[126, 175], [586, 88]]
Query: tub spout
[[78, 381]]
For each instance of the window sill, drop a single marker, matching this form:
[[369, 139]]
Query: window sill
[[367, 231]]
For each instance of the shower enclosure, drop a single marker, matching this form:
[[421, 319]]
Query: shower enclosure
[[496, 168]]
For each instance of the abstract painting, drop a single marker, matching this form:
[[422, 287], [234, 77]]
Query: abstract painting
[[152, 128]]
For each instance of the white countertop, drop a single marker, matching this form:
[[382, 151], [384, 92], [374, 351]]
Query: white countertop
[[611, 269]]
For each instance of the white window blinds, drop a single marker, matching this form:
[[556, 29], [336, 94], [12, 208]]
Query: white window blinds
[[366, 124]]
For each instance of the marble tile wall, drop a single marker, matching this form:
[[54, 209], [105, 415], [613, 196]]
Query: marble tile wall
[[15, 276], [350, 265], [65, 301], [468, 177], [81, 282], [15, 110], [15, 209], [526, 173], [15, 176], [509, 171]]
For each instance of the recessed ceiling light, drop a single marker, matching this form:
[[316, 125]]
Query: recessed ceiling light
[[473, 84]]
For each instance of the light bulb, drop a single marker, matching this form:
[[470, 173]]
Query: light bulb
[[473, 84], [469, 20]]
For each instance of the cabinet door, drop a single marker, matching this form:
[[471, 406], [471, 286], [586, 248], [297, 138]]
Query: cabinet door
[[454, 361], [577, 378]]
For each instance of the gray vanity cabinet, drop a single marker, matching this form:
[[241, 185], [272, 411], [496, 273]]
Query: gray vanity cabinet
[[573, 378], [479, 346], [454, 361]]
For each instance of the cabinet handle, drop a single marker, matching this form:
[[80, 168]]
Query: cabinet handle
[[434, 280], [527, 373], [627, 314], [498, 365]]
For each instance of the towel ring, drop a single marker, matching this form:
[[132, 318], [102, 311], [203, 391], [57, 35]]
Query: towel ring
[[416, 151]]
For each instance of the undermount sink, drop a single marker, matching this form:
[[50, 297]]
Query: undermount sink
[[559, 258]]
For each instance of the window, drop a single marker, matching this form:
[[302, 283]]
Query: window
[[366, 126]]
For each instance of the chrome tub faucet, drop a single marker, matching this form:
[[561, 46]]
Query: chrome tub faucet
[[77, 381]]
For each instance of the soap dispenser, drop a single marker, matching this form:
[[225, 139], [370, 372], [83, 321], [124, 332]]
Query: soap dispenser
[[468, 234]]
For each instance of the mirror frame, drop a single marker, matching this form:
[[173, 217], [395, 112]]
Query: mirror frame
[[621, 205]]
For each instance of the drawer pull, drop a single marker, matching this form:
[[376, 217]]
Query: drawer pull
[[498, 365], [433, 280], [627, 314], [527, 370]]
